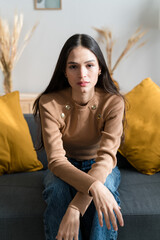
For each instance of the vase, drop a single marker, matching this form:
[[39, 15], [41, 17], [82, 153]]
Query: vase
[[7, 83]]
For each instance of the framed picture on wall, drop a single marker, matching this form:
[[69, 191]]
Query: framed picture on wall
[[47, 4]]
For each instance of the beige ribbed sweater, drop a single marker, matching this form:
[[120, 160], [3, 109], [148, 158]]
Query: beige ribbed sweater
[[81, 132]]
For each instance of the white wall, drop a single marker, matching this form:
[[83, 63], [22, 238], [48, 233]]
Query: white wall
[[35, 67]]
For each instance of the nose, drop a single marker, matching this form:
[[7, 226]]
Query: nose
[[82, 72]]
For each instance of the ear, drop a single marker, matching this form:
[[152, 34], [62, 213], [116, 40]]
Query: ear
[[99, 72]]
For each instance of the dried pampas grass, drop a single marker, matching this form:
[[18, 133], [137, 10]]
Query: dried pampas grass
[[10, 52], [105, 34]]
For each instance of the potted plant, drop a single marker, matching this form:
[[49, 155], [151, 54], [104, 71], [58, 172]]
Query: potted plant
[[10, 51]]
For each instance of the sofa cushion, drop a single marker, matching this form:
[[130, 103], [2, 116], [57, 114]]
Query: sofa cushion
[[17, 153], [22, 206], [142, 133], [140, 205], [21, 194]]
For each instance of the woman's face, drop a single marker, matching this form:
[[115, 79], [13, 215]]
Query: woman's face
[[82, 70]]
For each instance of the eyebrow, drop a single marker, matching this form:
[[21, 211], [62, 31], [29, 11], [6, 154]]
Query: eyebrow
[[84, 62]]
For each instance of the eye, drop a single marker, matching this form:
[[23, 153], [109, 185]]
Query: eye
[[72, 66], [90, 65]]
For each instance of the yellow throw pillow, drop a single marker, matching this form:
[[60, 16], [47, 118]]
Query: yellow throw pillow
[[142, 134], [17, 153]]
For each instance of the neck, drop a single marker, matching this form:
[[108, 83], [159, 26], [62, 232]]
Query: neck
[[82, 98]]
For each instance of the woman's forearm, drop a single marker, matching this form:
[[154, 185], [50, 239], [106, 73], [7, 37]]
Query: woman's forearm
[[81, 201]]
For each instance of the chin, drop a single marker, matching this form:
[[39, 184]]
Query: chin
[[84, 90]]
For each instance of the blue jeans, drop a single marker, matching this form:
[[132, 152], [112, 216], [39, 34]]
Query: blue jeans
[[59, 194]]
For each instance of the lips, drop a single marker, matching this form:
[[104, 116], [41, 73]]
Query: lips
[[83, 84]]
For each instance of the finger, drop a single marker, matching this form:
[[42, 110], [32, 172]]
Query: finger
[[100, 217], [58, 237], [72, 236], [119, 217], [61, 236], [76, 237], [113, 219], [107, 220], [66, 237]]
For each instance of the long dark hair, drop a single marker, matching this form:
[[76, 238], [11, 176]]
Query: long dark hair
[[59, 80]]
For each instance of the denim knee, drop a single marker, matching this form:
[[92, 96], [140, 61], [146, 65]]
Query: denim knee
[[57, 195], [112, 183], [55, 189], [113, 180]]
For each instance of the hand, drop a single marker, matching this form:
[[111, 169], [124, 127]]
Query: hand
[[106, 205], [69, 227]]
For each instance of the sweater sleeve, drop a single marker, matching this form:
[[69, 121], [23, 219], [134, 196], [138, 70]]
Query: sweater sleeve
[[57, 162], [110, 140]]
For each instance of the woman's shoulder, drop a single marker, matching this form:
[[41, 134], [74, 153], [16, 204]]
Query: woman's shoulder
[[108, 98], [56, 98]]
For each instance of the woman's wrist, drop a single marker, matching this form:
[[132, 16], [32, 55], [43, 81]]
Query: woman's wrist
[[75, 208], [93, 187]]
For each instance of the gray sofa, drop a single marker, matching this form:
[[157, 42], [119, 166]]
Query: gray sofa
[[22, 205]]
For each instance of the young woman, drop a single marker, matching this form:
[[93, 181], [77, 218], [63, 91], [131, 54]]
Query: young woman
[[81, 114]]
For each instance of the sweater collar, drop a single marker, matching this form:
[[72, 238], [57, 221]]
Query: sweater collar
[[92, 103]]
